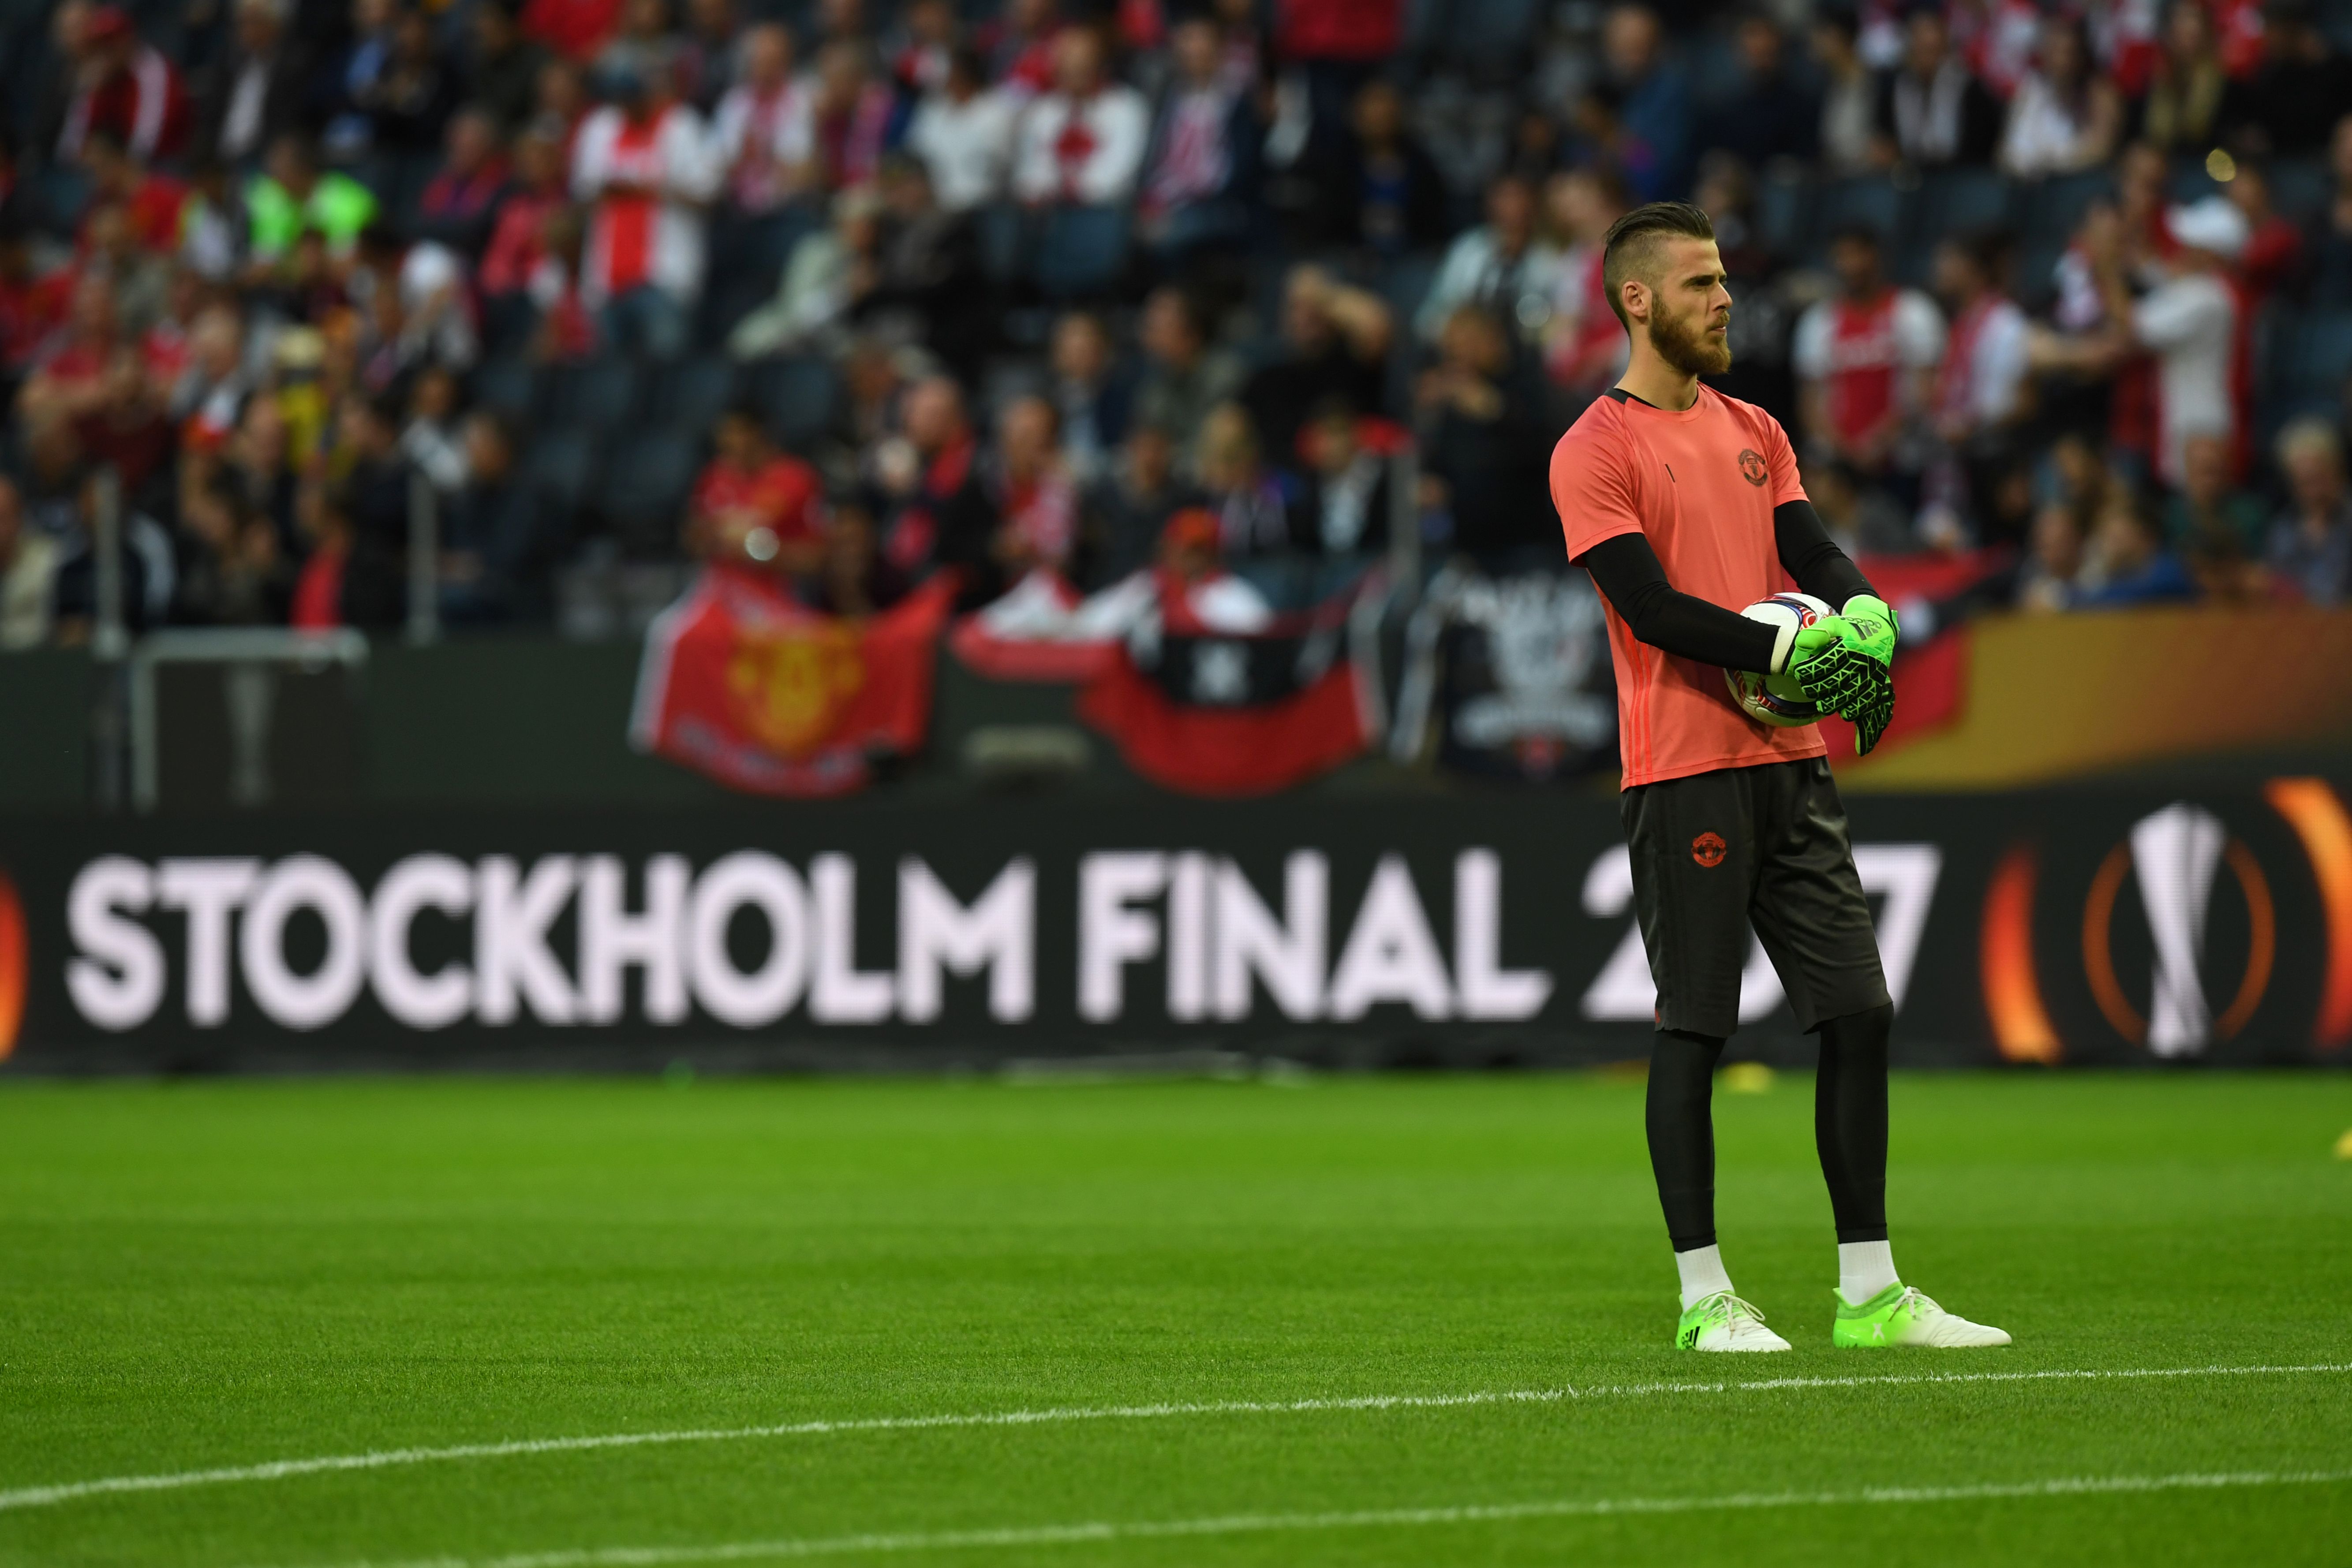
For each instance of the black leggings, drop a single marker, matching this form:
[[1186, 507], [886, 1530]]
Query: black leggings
[[1849, 1126]]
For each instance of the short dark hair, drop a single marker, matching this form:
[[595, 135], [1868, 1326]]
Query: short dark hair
[[1633, 238]]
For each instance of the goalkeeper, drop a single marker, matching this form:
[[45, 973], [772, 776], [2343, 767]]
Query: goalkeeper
[[1685, 506]]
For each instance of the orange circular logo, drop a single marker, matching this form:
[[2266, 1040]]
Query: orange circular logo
[[1751, 467], [1708, 849]]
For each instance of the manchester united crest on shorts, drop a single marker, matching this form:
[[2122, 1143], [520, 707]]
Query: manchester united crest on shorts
[[1708, 849], [1751, 466]]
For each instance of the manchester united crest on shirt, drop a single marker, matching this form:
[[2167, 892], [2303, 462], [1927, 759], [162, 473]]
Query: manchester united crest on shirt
[[1751, 466]]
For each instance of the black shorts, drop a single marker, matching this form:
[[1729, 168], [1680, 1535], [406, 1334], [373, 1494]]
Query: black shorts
[[1767, 846]]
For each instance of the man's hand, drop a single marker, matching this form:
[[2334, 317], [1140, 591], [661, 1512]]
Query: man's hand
[[1831, 663], [1874, 620]]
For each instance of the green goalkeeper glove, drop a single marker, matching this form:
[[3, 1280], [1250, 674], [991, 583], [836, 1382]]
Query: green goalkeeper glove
[[1831, 664], [1870, 616]]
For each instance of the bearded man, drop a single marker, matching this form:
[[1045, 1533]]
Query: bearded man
[[1685, 506]]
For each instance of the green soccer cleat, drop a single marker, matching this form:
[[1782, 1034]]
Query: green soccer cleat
[[1724, 1321], [1901, 1318]]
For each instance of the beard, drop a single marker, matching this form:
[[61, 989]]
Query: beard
[[1682, 341]]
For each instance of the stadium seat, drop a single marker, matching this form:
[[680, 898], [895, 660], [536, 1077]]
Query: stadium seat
[[1869, 200], [692, 394], [2052, 209], [507, 388], [599, 397], [1081, 251], [1783, 209], [1000, 229], [2300, 187], [1959, 199], [557, 465], [797, 395], [641, 492], [2311, 358]]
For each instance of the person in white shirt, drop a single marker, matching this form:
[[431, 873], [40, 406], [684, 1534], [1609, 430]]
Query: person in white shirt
[[1083, 141], [1865, 360], [963, 133], [2067, 115], [28, 573], [1502, 265], [760, 133], [2189, 320], [644, 167], [1981, 394]]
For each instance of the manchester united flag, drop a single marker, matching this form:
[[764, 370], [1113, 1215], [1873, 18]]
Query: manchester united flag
[[741, 682]]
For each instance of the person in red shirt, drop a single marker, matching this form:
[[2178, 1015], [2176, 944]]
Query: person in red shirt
[[1686, 505], [154, 201], [755, 508]]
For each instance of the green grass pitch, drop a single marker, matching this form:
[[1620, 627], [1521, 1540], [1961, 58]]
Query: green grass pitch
[[223, 1274]]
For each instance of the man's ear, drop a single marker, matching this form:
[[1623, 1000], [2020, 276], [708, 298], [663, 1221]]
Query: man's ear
[[1634, 296]]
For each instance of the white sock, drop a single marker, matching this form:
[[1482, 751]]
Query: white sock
[[1701, 1271], [1865, 1269]]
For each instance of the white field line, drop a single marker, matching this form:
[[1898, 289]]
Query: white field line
[[385, 1458], [1257, 1523]]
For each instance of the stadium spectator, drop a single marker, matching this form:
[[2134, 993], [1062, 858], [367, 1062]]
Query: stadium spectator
[[2066, 117], [831, 273], [155, 203], [2331, 226], [1503, 266], [2310, 543], [561, 102], [1653, 107], [849, 117], [1090, 398], [1771, 118], [1201, 150], [1019, 45], [207, 399], [642, 48], [1126, 508], [1859, 515], [1383, 191], [1585, 345], [1865, 360], [760, 134], [28, 570], [255, 92], [1036, 504], [924, 51], [1484, 442], [1932, 112], [2189, 322], [2128, 561], [962, 131], [1184, 374], [709, 53], [501, 67], [515, 254], [2273, 257], [1084, 142], [754, 507], [2181, 110], [121, 85], [1334, 343], [1982, 390], [459, 205], [2291, 106], [498, 534], [2208, 511], [141, 279], [1847, 133], [432, 441], [1252, 503], [641, 164], [292, 196], [69, 380], [937, 513], [1195, 589], [1347, 503]]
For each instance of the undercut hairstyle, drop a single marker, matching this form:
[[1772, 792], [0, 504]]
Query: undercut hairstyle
[[1632, 244]]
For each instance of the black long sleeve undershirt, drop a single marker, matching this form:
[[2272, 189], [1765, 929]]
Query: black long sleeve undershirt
[[1628, 570]]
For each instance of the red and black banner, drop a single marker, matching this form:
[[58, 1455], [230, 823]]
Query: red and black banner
[[742, 683]]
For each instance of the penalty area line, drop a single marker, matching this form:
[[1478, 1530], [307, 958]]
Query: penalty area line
[[1368, 1519], [51, 1496]]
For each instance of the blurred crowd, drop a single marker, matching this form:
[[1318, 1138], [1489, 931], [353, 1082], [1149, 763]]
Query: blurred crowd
[[846, 292]]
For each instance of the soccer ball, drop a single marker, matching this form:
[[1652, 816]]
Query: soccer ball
[[1777, 700]]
